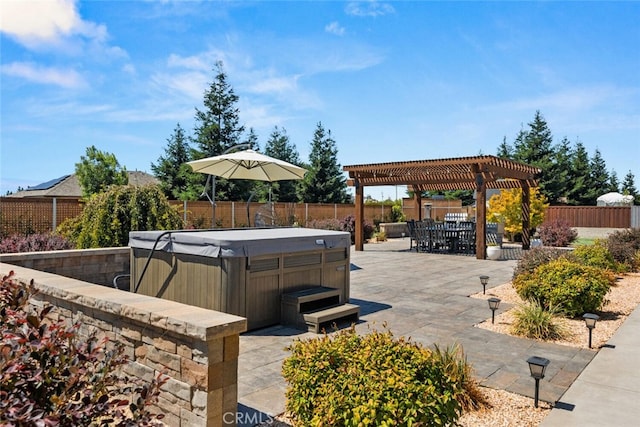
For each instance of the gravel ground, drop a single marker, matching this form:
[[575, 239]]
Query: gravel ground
[[512, 410]]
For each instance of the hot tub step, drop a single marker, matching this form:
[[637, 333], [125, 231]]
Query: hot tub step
[[317, 318]]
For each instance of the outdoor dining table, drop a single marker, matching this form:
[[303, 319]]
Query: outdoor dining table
[[452, 237]]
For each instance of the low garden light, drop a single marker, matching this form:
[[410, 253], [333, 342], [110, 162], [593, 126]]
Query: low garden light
[[590, 320], [537, 366], [484, 280], [494, 303]]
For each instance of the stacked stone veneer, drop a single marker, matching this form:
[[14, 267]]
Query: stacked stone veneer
[[197, 348], [99, 266]]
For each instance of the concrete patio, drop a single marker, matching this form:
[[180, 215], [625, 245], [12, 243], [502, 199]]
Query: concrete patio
[[426, 297]]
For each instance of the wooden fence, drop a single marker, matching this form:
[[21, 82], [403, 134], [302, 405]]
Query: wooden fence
[[592, 216], [43, 214]]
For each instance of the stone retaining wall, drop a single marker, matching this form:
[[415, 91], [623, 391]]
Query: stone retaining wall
[[98, 266], [197, 348]]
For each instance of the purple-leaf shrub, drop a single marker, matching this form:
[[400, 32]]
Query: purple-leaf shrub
[[50, 377], [557, 233], [33, 243]]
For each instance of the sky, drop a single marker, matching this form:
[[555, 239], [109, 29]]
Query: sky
[[391, 80]]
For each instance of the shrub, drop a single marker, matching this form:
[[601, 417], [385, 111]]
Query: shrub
[[571, 287], [34, 243], [108, 217], [534, 258], [532, 320], [596, 255], [50, 377], [557, 233], [624, 246], [325, 224], [374, 379], [348, 224]]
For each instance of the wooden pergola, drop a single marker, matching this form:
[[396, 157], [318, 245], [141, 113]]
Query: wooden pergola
[[462, 173]]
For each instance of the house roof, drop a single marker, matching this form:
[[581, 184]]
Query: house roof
[[69, 186], [460, 173]]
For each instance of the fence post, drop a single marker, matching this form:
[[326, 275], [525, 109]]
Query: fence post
[[184, 212], [55, 214], [335, 211], [233, 214], [306, 213]]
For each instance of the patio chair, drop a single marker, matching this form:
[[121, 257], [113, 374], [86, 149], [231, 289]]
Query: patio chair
[[411, 225], [439, 237], [423, 236]]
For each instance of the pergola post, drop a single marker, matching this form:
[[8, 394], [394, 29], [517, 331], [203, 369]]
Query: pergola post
[[526, 209], [481, 214], [417, 202], [359, 205]]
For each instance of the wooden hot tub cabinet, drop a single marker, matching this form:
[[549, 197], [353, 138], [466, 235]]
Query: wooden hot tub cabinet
[[242, 272]]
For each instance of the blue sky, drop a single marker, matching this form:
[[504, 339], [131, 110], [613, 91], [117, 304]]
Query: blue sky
[[392, 80]]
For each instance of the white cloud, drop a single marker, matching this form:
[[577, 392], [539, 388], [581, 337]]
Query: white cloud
[[36, 23], [66, 78], [334, 28], [369, 8]]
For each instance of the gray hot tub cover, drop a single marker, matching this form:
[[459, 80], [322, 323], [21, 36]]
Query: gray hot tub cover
[[240, 242]]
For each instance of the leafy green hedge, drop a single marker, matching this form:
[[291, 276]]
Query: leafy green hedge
[[375, 379], [571, 287]]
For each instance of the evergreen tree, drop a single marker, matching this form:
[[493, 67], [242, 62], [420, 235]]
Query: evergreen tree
[[217, 127], [580, 176], [177, 179], [278, 146], [562, 169], [98, 170], [629, 187], [599, 178], [614, 182], [505, 151], [535, 148], [324, 183], [242, 189]]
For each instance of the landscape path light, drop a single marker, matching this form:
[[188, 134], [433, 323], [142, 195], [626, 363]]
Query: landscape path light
[[494, 303], [537, 366], [590, 320], [484, 280]]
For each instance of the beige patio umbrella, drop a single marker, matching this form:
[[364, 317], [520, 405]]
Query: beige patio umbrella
[[246, 164]]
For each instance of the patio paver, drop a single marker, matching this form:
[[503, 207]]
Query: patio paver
[[424, 296]]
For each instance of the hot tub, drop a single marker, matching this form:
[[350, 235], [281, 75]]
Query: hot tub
[[242, 271]]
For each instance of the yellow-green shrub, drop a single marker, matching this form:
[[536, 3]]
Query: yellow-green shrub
[[572, 287], [374, 379], [596, 255]]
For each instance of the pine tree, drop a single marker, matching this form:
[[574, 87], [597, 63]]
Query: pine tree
[[172, 170], [562, 169], [614, 182], [324, 183], [535, 148], [217, 126], [629, 187], [278, 146], [505, 151], [599, 178], [580, 176]]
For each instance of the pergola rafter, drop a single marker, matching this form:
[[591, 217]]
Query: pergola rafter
[[462, 173]]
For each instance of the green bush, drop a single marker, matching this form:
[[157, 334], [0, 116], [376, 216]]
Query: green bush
[[571, 287], [532, 320], [534, 258], [108, 217], [596, 255], [375, 379], [625, 248]]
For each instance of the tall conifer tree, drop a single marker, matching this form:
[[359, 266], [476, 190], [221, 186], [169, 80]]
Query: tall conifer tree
[[324, 183]]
